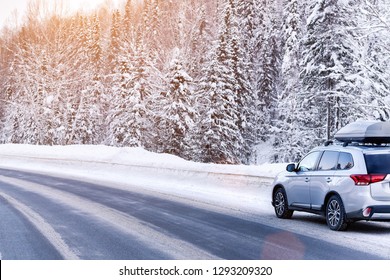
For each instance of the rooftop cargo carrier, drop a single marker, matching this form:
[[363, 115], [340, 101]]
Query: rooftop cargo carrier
[[365, 132]]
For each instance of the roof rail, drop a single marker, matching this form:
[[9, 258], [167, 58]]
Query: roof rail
[[345, 144], [366, 144], [328, 142]]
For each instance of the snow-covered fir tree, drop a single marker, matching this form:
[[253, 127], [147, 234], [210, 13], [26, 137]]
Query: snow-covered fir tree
[[331, 71], [94, 48], [151, 28], [178, 114], [125, 118], [375, 29], [115, 38], [288, 139], [267, 65], [222, 139], [128, 19], [245, 94]]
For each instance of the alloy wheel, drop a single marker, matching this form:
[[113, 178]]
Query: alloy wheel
[[279, 203], [334, 213]]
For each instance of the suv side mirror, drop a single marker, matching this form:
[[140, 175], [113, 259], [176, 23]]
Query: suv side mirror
[[291, 167]]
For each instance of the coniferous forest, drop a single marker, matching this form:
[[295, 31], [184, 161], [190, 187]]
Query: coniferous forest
[[207, 80]]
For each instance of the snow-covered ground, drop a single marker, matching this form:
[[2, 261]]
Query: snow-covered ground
[[112, 156], [244, 191], [232, 186]]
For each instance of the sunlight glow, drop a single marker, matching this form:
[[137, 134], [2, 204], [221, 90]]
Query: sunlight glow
[[75, 5], [13, 11]]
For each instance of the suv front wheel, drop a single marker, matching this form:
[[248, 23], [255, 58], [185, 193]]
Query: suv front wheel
[[281, 205], [335, 214]]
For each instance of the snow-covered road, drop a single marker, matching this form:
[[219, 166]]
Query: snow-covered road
[[120, 203]]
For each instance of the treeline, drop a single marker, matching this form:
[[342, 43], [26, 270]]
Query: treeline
[[205, 80]]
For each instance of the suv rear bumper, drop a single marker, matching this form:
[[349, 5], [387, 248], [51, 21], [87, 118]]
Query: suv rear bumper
[[377, 213]]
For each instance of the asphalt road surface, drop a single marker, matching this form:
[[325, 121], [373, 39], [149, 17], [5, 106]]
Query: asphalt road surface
[[43, 217]]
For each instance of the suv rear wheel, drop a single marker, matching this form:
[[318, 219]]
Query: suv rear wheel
[[281, 205], [335, 214]]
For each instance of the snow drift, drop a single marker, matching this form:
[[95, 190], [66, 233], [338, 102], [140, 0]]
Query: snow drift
[[234, 186]]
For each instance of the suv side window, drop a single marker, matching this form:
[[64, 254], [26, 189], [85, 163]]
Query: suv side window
[[328, 160], [309, 162], [345, 161]]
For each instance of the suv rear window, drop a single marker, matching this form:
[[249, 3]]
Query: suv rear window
[[345, 161], [377, 163]]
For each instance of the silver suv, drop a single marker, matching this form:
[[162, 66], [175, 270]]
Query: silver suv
[[345, 181]]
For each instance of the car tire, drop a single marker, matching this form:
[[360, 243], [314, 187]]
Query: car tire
[[281, 205], [335, 214]]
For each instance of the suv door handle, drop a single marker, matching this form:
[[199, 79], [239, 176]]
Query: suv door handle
[[307, 179], [328, 180]]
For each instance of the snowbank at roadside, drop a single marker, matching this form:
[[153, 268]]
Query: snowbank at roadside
[[239, 187], [36, 158]]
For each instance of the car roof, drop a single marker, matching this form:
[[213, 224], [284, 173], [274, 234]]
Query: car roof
[[351, 147]]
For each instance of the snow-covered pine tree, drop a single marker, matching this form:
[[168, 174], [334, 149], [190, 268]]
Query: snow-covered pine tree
[[374, 21], [131, 121], [115, 38], [178, 114], [248, 13], [11, 128], [267, 65], [221, 137], [81, 32], [126, 114], [331, 97], [245, 25], [151, 28], [200, 40], [9, 91], [94, 41], [291, 47], [26, 117], [45, 84], [128, 19], [83, 112], [288, 140]]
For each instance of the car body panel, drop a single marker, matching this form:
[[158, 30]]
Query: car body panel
[[298, 190], [308, 190], [320, 184], [381, 191]]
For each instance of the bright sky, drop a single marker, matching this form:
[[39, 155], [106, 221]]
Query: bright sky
[[8, 7]]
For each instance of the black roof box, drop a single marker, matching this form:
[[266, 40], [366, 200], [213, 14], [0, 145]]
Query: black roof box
[[365, 132]]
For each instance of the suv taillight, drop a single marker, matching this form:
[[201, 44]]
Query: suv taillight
[[366, 179]]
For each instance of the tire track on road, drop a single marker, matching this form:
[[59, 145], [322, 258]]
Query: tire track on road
[[43, 227], [126, 223]]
